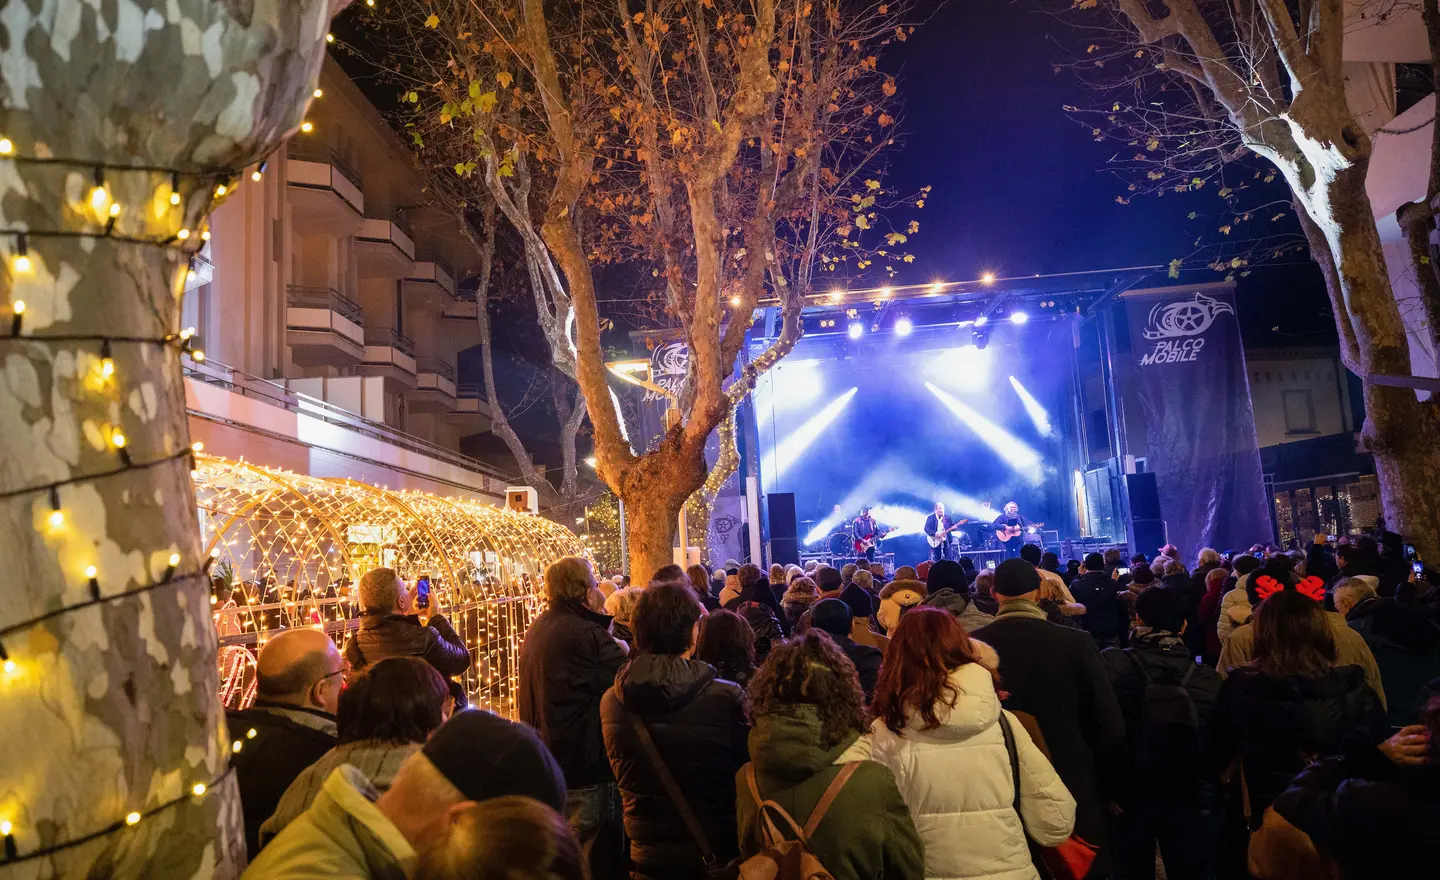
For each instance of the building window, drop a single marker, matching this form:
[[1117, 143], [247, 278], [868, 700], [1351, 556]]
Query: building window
[[1299, 411]]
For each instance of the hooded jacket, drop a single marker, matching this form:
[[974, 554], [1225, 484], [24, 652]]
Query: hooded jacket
[[1406, 646], [287, 740], [1277, 725], [698, 725], [342, 835], [957, 781], [1235, 610], [867, 832], [567, 662]]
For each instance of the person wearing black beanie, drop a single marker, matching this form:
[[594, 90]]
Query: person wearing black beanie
[[948, 588], [834, 617]]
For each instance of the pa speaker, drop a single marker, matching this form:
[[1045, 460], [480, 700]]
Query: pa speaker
[[784, 546], [1144, 497], [1147, 536]]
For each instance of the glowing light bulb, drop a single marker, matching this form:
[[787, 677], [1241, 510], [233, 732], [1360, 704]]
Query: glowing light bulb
[[6, 146], [836, 295], [115, 209], [18, 307], [256, 175], [99, 198], [197, 789], [319, 93], [107, 367], [21, 264], [174, 558], [734, 300], [132, 818], [937, 288], [221, 190], [197, 446], [197, 356], [189, 274], [174, 198], [57, 519], [6, 827], [118, 439], [187, 332], [91, 571], [9, 668], [329, 38], [987, 278], [183, 234], [307, 126], [235, 746], [205, 236], [250, 734]]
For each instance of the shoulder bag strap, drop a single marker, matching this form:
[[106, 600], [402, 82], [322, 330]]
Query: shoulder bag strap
[[1036, 853], [1185, 681], [828, 797], [1144, 673], [672, 788], [773, 835]]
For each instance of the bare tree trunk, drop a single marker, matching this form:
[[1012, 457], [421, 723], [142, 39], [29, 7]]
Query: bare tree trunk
[[111, 708], [654, 491]]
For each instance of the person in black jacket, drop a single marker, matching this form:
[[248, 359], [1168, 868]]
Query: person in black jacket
[[1369, 815], [1054, 674], [389, 629], [755, 588], [698, 727], [1406, 644], [1106, 618], [1290, 704], [299, 675], [1162, 798], [568, 661], [835, 618]]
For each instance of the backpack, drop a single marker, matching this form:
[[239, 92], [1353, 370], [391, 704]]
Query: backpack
[[1167, 732], [789, 859]]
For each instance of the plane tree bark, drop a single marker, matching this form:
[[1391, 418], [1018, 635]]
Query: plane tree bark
[[109, 692]]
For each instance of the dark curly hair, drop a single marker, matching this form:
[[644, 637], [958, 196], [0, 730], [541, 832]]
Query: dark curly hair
[[811, 669]]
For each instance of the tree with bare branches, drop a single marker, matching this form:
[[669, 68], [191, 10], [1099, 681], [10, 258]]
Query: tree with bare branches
[[728, 149], [1193, 87]]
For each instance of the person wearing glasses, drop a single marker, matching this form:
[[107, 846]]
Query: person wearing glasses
[[299, 675]]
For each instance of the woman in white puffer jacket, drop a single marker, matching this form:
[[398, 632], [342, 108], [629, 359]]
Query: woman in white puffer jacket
[[937, 728]]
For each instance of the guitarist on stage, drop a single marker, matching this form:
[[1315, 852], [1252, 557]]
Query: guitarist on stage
[[867, 533], [939, 526], [1010, 528]]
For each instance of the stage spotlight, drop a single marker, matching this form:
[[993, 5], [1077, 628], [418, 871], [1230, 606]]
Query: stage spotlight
[[800, 439], [1018, 317], [987, 278], [1037, 413], [937, 288], [982, 321], [856, 330], [1012, 449], [903, 326], [979, 338]]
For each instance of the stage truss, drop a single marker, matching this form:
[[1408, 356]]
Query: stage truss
[[293, 546]]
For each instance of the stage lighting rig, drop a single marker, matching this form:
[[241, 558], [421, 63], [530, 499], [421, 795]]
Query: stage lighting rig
[[979, 336], [1018, 317], [856, 328], [903, 326]]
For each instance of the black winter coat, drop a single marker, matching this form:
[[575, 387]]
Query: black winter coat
[[270, 760], [866, 660], [1105, 616], [1377, 820], [1166, 658], [567, 662], [1054, 673], [699, 726], [382, 636], [1279, 725], [1406, 645]]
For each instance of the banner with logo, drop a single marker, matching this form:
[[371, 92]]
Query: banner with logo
[[668, 363], [1189, 376]]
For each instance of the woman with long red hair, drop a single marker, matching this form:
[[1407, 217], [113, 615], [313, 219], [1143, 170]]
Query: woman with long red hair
[[940, 729]]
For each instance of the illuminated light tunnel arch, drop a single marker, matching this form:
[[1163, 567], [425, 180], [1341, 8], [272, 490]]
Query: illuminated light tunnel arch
[[293, 545]]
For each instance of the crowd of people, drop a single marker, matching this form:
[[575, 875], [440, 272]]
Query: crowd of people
[[1258, 714]]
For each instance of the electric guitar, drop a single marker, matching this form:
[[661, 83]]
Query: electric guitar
[[1008, 533], [942, 535], [865, 543]]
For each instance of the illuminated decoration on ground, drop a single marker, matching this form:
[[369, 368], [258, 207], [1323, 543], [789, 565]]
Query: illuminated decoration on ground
[[293, 547]]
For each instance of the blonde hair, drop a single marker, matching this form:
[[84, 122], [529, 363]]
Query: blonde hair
[[514, 837], [621, 604]]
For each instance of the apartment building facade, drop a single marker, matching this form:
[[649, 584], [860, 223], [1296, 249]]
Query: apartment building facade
[[327, 291]]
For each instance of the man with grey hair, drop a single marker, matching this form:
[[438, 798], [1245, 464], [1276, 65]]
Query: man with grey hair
[[395, 624], [568, 661], [1406, 644]]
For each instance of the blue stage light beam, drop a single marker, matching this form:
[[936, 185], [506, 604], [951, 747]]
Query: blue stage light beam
[[904, 520], [791, 448], [1018, 454], [1037, 413]]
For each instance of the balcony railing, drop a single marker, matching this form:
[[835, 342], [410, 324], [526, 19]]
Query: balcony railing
[[436, 366], [302, 297], [467, 391], [390, 337], [312, 152], [222, 376]]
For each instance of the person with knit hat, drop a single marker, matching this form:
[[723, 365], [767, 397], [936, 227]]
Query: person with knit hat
[[1054, 674], [349, 831], [947, 589], [833, 616], [801, 594], [897, 598], [905, 573]]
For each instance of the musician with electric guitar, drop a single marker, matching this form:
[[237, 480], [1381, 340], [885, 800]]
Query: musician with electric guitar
[[938, 527], [867, 533], [1010, 528]]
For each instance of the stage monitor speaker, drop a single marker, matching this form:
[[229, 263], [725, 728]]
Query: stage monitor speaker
[[1144, 496], [784, 545]]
